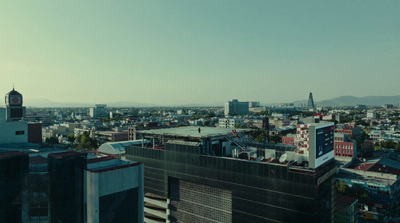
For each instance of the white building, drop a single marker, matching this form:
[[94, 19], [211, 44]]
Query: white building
[[371, 114], [113, 190], [229, 122]]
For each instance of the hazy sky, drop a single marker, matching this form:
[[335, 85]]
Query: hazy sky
[[189, 51]]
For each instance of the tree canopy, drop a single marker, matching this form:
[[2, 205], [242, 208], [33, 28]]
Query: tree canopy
[[85, 142]]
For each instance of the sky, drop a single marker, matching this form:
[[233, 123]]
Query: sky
[[181, 52]]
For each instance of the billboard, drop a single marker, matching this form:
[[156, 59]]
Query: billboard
[[321, 144], [324, 141]]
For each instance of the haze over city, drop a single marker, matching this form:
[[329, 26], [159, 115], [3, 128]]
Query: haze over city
[[180, 52]]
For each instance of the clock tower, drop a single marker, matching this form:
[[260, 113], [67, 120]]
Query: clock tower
[[15, 110]]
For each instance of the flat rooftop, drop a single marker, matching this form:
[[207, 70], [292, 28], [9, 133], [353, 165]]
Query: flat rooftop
[[193, 131]]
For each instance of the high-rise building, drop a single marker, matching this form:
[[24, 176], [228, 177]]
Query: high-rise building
[[310, 103], [66, 186], [69, 186], [235, 107], [113, 191], [13, 172], [218, 175], [100, 110]]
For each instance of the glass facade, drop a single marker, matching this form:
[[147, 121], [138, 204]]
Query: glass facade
[[13, 172], [66, 186], [259, 192]]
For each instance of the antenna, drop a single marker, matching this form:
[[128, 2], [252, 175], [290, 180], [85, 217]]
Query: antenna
[[283, 158]]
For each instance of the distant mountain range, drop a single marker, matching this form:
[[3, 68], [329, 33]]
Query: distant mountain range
[[48, 103], [339, 101], [352, 101]]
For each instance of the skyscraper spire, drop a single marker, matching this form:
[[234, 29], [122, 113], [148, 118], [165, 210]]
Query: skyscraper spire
[[310, 103]]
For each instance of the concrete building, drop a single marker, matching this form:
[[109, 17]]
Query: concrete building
[[345, 147], [235, 107], [371, 115], [13, 128], [120, 201], [214, 175], [51, 185], [229, 122], [100, 110], [388, 106], [254, 104], [111, 136], [381, 179], [346, 209]]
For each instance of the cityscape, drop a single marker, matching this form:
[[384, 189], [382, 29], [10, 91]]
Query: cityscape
[[200, 111], [238, 162]]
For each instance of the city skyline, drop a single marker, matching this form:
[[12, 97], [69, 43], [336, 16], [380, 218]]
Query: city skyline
[[171, 53]]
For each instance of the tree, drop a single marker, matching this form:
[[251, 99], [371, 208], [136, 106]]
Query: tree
[[71, 137], [342, 187], [85, 142], [359, 192], [275, 139], [52, 140]]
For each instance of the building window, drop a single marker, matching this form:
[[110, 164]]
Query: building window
[[19, 133]]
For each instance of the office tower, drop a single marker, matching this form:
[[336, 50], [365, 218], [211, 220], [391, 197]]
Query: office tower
[[235, 107], [100, 110], [66, 186], [219, 175], [13, 172]]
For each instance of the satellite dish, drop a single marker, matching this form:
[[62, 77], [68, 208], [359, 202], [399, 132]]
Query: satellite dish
[[299, 160], [283, 158]]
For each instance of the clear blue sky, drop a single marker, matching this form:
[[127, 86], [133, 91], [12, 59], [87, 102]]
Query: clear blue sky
[[178, 52]]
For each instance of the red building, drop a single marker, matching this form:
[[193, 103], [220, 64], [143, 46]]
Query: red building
[[344, 149], [344, 131], [288, 140], [35, 132], [343, 146]]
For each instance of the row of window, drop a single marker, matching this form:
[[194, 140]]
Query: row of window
[[343, 146], [338, 151]]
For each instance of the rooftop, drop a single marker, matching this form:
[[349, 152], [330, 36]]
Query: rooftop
[[342, 199], [193, 131]]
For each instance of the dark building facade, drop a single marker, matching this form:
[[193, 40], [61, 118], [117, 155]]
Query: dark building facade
[[14, 168], [35, 132], [66, 186], [204, 183]]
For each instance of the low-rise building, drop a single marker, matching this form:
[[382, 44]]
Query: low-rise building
[[346, 209]]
